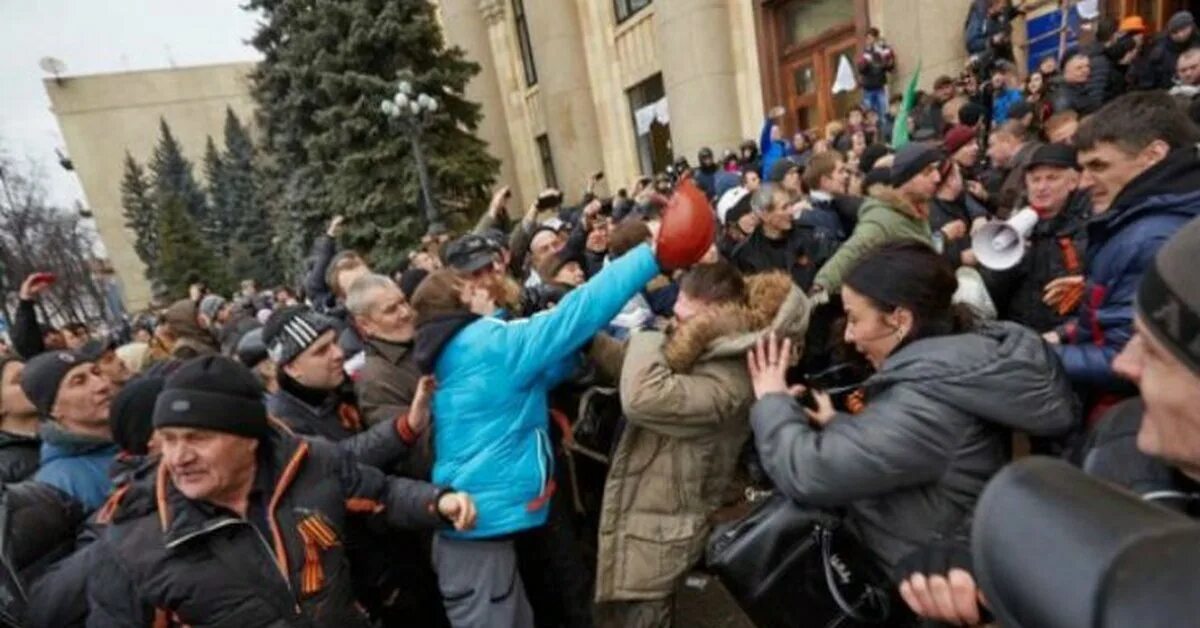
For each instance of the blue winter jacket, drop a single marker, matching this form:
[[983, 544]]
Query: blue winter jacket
[[76, 465], [491, 415], [1122, 243], [772, 150]]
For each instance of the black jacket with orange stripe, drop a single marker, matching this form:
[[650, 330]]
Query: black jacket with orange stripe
[[190, 563], [334, 416]]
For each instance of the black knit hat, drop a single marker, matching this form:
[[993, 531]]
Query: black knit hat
[[213, 392], [1168, 300], [131, 415], [911, 160], [43, 376], [410, 280], [290, 331]]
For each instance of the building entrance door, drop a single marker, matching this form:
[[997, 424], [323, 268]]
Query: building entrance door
[[811, 73]]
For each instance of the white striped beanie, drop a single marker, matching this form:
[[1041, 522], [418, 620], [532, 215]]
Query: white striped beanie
[[290, 331]]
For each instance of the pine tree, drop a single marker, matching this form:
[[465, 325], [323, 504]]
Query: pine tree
[[330, 150], [140, 214], [173, 175], [183, 253], [218, 226], [251, 254]]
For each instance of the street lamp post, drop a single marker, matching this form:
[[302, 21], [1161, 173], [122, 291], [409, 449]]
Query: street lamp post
[[413, 112]]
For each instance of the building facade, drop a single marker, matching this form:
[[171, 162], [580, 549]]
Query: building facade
[[571, 87], [103, 116], [567, 87]]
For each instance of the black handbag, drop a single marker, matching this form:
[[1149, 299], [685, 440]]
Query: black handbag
[[791, 567]]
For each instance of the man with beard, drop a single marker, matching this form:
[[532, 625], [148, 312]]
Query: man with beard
[[686, 395], [72, 397], [388, 379]]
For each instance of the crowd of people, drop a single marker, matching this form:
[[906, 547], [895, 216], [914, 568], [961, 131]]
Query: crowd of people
[[408, 447]]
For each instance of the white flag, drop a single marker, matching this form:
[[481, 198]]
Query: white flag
[[845, 77]]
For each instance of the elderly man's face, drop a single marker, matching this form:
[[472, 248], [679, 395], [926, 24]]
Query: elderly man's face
[[389, 316], [207, 465], [543, 245], [1171, 391]]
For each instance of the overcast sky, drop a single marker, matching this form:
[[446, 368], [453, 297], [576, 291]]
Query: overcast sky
[[96, 36]]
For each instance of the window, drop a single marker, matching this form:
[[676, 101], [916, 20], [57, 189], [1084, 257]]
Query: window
[[653, 136], [543, 145], [626, 8], [526, 46], [807, 20]]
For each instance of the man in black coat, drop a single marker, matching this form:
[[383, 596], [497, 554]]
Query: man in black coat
[[779, 243], [18, 425], [1157, 69], [250, 522], [314, 398], [1077, 92], [1038, 292]]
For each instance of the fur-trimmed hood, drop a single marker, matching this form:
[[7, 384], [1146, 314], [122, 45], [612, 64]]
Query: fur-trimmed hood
[[891, 198], [773, 302]]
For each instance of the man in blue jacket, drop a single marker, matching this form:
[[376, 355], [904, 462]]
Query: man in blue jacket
[[771, 142], [72, 398], [491, 428], [1142, 169]]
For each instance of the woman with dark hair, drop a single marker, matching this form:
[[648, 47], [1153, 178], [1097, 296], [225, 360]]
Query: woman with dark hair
[[940, 408]]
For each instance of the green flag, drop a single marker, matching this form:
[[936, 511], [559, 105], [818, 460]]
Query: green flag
[[900, 128]]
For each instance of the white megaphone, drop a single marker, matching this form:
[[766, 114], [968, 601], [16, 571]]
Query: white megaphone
[[999, 245]]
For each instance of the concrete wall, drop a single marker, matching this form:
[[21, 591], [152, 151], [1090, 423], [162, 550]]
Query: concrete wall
[[926, 30], [463, 24], [104, 115], [586, 62]]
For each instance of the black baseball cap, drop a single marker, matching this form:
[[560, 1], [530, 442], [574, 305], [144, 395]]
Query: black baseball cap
[[470, 253]]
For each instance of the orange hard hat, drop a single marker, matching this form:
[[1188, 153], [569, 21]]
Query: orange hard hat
[[688, 227], [1133, 24]]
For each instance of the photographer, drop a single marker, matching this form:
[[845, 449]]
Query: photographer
[[876, 62], [938, 410]]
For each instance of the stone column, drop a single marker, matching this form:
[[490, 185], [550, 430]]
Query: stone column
[[514, 117], [565, 91], [695, 51], [463, 25]]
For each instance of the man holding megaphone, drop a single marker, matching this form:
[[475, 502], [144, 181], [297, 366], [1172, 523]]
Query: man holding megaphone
[[1035, 278]]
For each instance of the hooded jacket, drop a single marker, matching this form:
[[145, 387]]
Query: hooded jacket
[[686, 399], [76, 465], [490, 411], [201, 565], [936, 427], [884, 217], [1122, 243], [19, 456], [1018, 291]]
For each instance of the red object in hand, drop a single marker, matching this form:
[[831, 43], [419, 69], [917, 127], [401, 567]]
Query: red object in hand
[[688, 227], [42, 278]]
